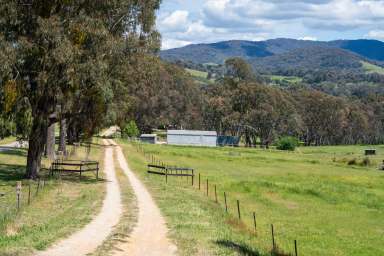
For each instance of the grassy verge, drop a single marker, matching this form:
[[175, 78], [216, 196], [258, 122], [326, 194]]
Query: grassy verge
[[329, 207], [7, 140], [128, 220], [59, 208]]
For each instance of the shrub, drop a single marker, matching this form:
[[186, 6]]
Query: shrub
[[352, 161], [287, 143], [365, 162], [130, 130]]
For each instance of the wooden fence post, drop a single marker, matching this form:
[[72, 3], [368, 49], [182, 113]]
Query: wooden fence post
[[238, 209], [29, 192], [38, 187], [193, 176], [199, 181], [97, 171], [296, 248], [166, 176], [215, 194], [273, 239], [254, 221], [18, 192], [207, 188], [225, 200]]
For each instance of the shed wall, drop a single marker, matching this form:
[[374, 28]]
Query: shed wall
[[192, 140]]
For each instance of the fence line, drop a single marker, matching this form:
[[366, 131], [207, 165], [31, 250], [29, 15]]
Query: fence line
[[275, 250]]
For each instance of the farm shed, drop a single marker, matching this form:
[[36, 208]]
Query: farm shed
[[149, 138], [192, 138]]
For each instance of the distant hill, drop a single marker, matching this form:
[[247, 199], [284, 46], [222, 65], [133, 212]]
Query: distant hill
[[218, 52], [308, 59]]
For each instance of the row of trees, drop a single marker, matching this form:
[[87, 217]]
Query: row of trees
[[313, 116], [66, 61]]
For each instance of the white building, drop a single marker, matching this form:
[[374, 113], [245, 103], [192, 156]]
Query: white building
[[192, 138]]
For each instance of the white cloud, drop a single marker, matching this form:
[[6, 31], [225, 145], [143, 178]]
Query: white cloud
[[176, 21], [376, 34], [217, 20], [308, 38], [173, 43]]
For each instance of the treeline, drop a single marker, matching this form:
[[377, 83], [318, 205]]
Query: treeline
[[313, 116]]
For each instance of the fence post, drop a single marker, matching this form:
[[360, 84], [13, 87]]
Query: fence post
[[254, 221], [97, 171], [273, 239], [166, 176], [207, 188], [215, 194], [18, 191], [199, 181], [225, 200], [38, 187], [193, 176], [81, 166], [296, 248], [238, 209], [29, 192]]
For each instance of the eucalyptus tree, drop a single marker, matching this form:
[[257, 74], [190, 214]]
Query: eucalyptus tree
[[62, 50]]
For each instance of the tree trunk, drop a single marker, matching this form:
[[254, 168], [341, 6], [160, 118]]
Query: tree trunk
[[63, 136], [50, 142], [36, 146]]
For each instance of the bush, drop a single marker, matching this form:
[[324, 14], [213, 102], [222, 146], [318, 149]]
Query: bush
[[288, 143], [130, 130], [365, 162], [352, 161]]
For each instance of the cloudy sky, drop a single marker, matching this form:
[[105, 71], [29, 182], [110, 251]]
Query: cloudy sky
[[183, 22]]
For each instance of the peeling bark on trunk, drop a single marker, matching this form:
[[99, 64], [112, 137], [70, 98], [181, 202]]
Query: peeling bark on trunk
[[63, 135], [50, 143]]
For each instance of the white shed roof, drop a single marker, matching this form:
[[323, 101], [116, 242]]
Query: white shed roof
[[190, 132]]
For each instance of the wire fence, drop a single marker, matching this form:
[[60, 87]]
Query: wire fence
[[22, 194], [246, 219]]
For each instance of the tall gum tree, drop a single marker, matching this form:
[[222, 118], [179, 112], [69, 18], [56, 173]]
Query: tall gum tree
[[65, 48]]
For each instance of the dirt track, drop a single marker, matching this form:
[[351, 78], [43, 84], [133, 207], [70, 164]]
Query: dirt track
[[91, 236], [149, 237]]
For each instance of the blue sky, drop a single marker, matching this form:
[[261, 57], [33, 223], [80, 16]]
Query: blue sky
[[183, 22]]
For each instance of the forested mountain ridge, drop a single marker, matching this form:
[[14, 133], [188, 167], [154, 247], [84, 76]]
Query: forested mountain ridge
[[219, 52]]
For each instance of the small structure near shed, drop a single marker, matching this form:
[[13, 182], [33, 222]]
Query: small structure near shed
[[232, 141], [192, 138], [370, 152], [149, 138]]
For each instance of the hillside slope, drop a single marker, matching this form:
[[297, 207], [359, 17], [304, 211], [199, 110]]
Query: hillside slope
[[219, 52]]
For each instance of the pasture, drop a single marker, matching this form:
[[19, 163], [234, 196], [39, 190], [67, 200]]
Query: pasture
[[371, 68], [316, 195]]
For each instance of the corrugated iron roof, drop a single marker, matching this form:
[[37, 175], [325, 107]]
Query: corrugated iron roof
[[190, 132]]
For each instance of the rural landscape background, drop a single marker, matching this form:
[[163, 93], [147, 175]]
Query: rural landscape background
[[94, 93]]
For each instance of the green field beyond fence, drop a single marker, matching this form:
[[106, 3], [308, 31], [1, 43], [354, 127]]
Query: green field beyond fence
[[329, 199]]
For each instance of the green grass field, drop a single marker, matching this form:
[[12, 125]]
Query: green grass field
[[199, 76], [287, 79], [58, 209], [311, 195], [371, 68]]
